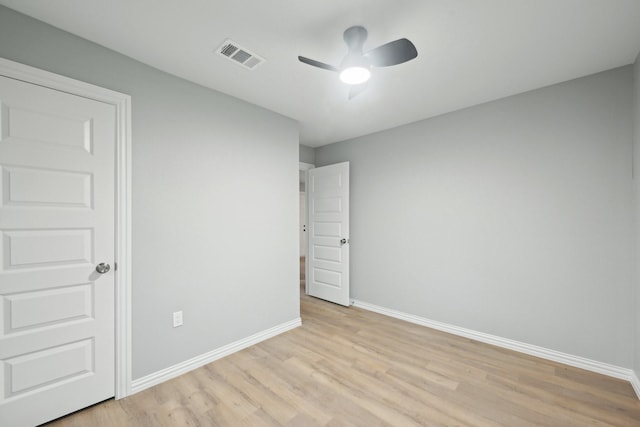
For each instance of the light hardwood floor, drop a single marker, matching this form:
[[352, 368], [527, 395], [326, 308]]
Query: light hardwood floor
[[350, 367]]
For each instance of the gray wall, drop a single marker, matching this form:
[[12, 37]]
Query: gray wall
[[636, 158], [512, 218], [307, 154], [215, 226]]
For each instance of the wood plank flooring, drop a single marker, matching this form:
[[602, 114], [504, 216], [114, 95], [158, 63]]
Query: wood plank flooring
[[350, 367]]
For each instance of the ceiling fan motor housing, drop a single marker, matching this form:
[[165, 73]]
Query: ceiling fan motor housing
[[355, 37], [355, 66]]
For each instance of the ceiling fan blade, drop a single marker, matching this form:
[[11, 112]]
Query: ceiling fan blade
[[392, 53], [357, 90], [318, 64]]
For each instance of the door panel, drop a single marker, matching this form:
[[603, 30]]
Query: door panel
[[57, 154], [328, 257], [49, 366], [46, 188], [47, 127], [35, 309]]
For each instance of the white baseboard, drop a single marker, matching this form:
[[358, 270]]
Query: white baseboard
[[198, 361], [533, 350], [635, 382]]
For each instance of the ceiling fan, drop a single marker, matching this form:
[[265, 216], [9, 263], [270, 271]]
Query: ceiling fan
[[355, 68]]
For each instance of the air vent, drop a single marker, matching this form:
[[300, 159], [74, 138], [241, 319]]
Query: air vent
[[235, 53]]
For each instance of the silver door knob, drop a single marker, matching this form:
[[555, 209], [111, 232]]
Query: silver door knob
[[103, 268], [343, 241]]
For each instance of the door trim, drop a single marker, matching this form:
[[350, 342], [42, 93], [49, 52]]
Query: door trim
[[122, 104]]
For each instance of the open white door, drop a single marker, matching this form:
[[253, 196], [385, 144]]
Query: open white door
[[57, 154], [303, 224], [328, 233]]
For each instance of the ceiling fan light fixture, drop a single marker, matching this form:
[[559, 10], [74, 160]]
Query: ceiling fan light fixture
[[355, 75], [355, 68]]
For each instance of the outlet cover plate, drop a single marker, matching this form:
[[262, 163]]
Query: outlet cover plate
[[177, 318]]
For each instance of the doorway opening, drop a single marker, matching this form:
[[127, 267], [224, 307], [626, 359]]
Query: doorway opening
[[304, 167]]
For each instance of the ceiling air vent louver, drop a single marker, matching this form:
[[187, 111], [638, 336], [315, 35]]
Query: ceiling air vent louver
[[235, 53]]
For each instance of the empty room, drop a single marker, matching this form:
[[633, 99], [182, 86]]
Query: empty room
[[331, 213]]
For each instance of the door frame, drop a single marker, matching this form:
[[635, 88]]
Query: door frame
[[122, 256], [305, 167]]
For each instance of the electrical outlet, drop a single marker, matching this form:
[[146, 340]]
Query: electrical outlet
[[177, 318]]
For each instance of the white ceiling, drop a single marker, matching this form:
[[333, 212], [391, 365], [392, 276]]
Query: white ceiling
[[469, 51]]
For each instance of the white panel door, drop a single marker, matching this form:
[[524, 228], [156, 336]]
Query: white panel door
[[56, 224], [328, 233], [303, 224]]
